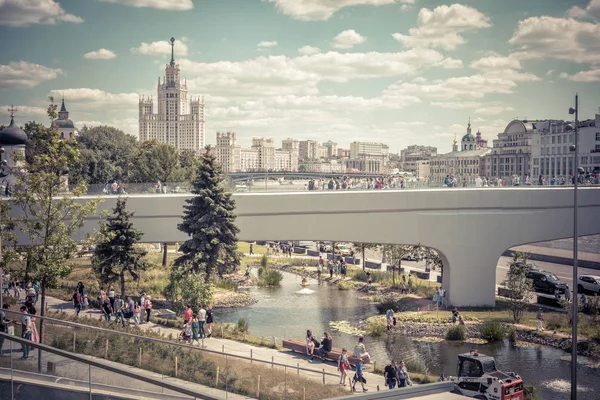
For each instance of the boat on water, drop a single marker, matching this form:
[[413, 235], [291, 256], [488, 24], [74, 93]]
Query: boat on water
[[304, 282]]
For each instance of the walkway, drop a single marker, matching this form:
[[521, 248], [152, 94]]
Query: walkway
[[288, 358]]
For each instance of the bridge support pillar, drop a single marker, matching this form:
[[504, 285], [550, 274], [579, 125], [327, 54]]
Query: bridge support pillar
[[469, 275]]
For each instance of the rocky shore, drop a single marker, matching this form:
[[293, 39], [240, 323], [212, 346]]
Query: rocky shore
[[586, 348], [231, 299]]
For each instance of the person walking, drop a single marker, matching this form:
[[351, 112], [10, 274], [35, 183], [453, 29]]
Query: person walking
[[390, 374], [251, 249], [540, 319], [111, 296], [188, 314], [137, 314], [343, 366], [358, 377], [209, 320], [202, 321], [148, 307], [4, 322], [567, 293], [118, 309], [360, 351], [25, 331], [77, 302], [107, 309], [389, 316], [402, 375], [195, 330]]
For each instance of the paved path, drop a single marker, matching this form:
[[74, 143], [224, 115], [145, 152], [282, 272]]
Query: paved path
[[290, 359]]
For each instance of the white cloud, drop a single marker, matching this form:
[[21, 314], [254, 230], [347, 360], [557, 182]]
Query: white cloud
[[23, 74], [92, 99], [443, 27], [309, 50], [102, 54], [172, 5], [24, 114], [267, 44], [27, 12], [592, 11], [281, 75], [503, 67], [452, 89], [493, 110], [321, 10], [161, 48], [550, 72], [496, 63], [348, 39], [592, 75], [557, 38]]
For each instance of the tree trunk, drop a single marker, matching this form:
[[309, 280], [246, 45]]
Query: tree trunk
[[394, 275], [122, 283], [165, 248], [42, 312]]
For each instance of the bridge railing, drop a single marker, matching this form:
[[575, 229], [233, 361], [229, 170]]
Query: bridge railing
[[278, 186]]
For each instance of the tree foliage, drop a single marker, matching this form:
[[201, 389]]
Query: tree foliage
[[116, 253], [209, 220], [185, 288], [51, 215], [519, 287], [158, 161], [361, 248]]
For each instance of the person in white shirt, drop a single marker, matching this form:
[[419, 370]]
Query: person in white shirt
[[478, 181], [26, 331], [202, 321]]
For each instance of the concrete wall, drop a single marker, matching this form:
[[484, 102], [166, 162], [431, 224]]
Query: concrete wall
[[470, 227]]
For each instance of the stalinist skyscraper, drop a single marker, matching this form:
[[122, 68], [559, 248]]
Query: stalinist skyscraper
[[178, 122]]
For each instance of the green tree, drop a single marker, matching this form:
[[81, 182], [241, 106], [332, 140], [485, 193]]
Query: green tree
[[185, 288], [116, 253], [51, 215], [361, 248], [209, 220], [519, 287], [189, 162], [158, 162], [395, 253], [107, 154]]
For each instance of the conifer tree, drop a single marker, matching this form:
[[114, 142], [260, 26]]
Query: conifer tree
[[209, 220], [115, 254]]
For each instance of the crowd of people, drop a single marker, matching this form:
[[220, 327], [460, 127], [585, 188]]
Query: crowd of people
[[197, 326], [28, 309]]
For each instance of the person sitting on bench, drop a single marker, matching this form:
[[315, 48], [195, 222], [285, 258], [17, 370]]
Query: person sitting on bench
[[326, 345]]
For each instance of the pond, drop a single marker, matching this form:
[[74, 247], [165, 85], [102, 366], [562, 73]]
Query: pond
[[287, 311]]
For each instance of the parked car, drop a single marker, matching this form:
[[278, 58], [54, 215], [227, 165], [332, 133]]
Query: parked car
[[544, 281], [589, 283], [342, 250], [324, 247]]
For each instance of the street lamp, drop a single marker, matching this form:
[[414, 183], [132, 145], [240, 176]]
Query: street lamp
[[575, 149]]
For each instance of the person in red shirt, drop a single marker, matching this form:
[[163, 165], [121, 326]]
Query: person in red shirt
[[188, 314]]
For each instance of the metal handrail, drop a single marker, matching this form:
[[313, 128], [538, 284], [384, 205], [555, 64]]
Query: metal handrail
[[166, 342], [103, 365]]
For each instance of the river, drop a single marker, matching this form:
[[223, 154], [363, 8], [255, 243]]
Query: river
[[287, 311]]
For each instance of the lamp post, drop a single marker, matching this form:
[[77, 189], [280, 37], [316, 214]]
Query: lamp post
[[575, 149]]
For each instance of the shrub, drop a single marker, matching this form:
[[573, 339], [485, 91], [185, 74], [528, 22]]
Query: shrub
[[512, 335], [456, 332], [343, 285], [387, 304], [270, 277], [227, 284], [554, 321], [376, 327], [492, 331], [416, 365], [242, 325]]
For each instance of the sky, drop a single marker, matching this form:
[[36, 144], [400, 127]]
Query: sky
[[400, 72]]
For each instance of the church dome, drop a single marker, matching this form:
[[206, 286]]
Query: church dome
[[468, 137], [64, 123], [12, 135]]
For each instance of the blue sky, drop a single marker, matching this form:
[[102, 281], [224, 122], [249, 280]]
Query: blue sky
[[397, 71]]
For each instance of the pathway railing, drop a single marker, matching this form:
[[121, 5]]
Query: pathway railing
[[93, 368]]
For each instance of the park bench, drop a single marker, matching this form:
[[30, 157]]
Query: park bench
[[299, 346]]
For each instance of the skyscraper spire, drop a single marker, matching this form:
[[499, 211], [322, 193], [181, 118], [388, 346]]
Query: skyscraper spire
[[172, 52]]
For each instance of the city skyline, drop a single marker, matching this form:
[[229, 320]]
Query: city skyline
[[398, 72]]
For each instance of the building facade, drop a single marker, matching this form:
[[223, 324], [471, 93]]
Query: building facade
[[322, 167], [12, 140], [368, 157], [65, 127], [309, 150], [464, 163], [410, 156], [261, 156], [511, 152], [329, 150], [551, 156], [179, 120]]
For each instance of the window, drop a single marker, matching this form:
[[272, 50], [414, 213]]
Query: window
[[584, 160], [558, 140], [553, 139], [597, 136]]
